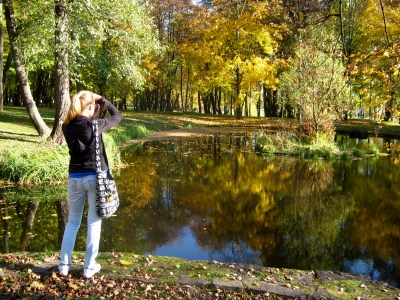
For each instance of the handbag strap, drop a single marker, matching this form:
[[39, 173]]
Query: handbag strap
[[96, 139]]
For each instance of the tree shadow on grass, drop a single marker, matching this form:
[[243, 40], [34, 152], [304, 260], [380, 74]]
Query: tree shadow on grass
[[9, 135]]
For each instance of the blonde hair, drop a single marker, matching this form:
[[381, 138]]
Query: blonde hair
[[78, 103]]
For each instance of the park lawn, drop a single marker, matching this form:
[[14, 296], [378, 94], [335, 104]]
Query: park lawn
[[17, 132]]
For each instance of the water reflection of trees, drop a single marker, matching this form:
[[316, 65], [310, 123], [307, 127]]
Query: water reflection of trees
[[373, 230], [30, 218], [277, 211]]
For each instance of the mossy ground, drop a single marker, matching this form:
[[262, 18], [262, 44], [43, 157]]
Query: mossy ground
[[145, 276]]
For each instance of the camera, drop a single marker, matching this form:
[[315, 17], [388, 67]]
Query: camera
[[103, 107], [101, 100]]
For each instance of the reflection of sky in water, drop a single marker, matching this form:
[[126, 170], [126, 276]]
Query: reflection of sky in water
[[186, 247], [359, 266]]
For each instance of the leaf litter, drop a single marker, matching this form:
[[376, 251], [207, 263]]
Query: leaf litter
[[146, 277]]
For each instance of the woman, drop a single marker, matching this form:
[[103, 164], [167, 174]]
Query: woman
[[78, 133]]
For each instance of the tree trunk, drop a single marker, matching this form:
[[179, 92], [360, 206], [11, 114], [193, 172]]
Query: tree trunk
[[246, 104], [62, 212], [183, 108], [6, 234], [213, 102], [239, 106], [7, 67], [1, 58], [270, 103], [40, 126], [199, 101], [61, 71], [187, 90], [219, 96], [27, 225]]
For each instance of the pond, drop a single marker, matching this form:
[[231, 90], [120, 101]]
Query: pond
[[214, 198]]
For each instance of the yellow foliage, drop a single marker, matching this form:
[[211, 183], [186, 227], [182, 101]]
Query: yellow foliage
[[230, 42]]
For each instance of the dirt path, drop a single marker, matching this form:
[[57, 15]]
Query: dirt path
[[188, 132]]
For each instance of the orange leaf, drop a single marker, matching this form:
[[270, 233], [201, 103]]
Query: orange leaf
[[73, 286]]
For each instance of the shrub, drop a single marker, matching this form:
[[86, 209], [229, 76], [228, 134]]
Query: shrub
[[358, 152], [269, 149], [373, 149], [345, 155]]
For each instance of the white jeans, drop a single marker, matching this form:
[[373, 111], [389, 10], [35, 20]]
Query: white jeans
[[78, 190]]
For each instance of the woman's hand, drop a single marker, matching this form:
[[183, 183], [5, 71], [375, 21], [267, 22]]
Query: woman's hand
[[97, 98], [96, 110]]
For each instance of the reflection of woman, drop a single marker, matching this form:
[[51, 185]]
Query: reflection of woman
[[78, 133]]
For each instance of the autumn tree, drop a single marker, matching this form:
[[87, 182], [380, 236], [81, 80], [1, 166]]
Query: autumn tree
[[235, 48], [166, 86], [306, 13], [373, 52], [315, 83]]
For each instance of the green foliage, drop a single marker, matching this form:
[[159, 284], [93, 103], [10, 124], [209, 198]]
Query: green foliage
[[317, 152], [35, 20], [269, 149], [265, 144], [122, 135], [110, 40], [314, 84], [373, 149]]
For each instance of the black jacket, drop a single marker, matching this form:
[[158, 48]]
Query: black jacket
[[79, 136]]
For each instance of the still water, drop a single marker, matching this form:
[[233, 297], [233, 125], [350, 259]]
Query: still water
[[214, 198]]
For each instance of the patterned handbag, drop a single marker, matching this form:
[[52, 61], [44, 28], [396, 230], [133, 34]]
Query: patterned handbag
[[107, 200]]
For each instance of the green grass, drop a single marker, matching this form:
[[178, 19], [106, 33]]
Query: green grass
[[42, 164], [25, 157], [287, 143]]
